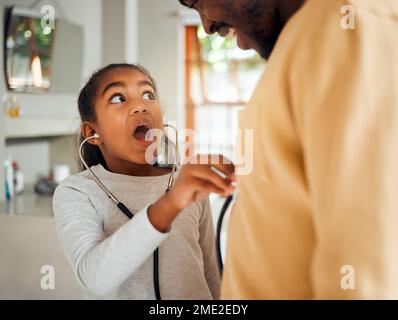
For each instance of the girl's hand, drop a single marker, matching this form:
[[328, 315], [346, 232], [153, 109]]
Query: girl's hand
[[195, 182]]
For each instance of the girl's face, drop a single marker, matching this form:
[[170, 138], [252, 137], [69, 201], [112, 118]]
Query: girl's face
[[126, 107]]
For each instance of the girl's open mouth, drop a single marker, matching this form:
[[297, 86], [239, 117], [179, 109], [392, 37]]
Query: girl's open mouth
[[140, 133]]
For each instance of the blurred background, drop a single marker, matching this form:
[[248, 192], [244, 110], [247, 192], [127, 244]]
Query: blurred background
[[48, 50]]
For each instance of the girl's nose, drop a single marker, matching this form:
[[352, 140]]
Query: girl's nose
[[138, 109]]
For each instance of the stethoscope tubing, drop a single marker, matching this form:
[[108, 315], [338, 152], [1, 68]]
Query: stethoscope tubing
[[130, 215]]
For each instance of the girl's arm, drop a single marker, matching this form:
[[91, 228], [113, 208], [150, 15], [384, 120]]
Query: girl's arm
[[101, 263], [207, 242]]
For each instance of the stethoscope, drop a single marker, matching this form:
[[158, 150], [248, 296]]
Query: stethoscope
[[170, 183]]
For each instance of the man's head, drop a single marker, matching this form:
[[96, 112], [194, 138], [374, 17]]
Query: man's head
[[257, 23]]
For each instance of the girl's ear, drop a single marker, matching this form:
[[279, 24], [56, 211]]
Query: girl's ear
[[88, 130]]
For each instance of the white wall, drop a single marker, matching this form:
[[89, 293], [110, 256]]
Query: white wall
[[131, 30], [149, 32], [113, 37], [87, 13], [160, 50], [2, 90]]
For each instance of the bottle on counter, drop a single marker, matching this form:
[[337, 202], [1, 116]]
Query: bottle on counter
[[12, 107], [9, 179], [18, 178]]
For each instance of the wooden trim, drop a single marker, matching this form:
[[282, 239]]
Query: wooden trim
[[190, 39]]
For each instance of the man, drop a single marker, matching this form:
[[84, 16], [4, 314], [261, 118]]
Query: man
[[318, 216]]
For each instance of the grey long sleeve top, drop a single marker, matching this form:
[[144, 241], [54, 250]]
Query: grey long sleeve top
[[112, 256]]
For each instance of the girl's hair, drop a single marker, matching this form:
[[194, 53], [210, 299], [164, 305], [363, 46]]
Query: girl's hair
[[86, 103]]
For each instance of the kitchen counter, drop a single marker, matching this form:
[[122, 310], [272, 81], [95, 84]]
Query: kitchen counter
[[28, 203]]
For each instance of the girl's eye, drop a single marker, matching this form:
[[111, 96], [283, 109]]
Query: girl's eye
[[117, 98], [148, 96]]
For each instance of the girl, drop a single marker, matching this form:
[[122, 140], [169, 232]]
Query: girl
[[110, 254]]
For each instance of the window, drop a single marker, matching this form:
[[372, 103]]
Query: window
[[220, 80]]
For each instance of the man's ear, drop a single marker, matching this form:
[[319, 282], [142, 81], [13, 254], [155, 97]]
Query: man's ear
[[88, 130]]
